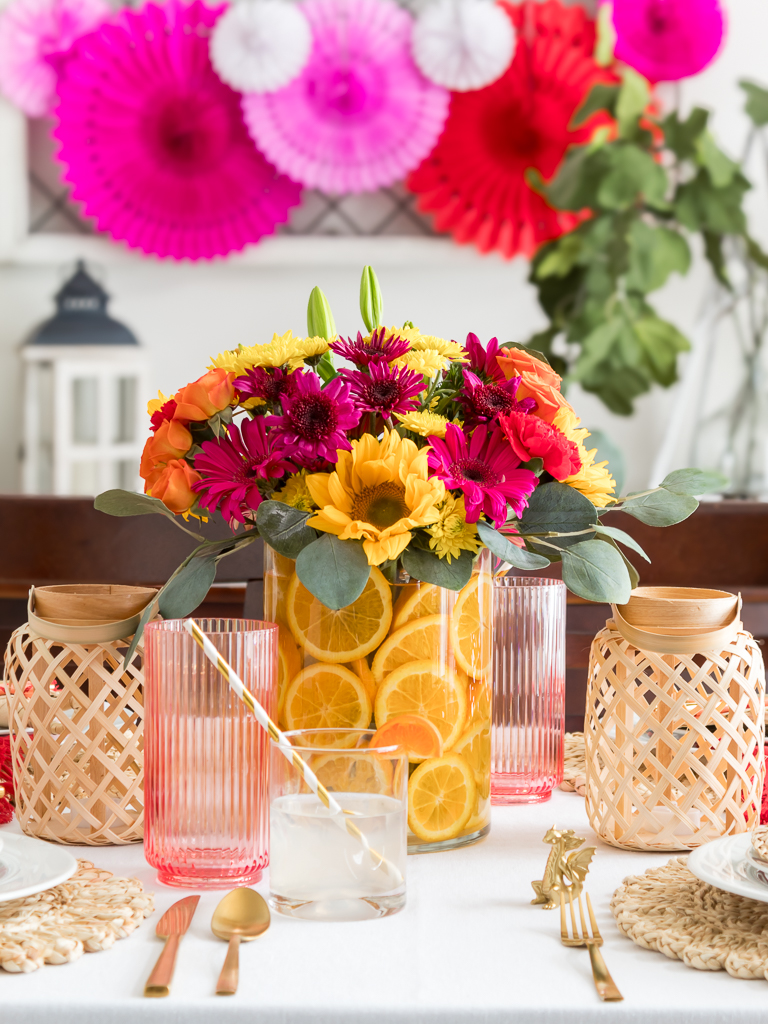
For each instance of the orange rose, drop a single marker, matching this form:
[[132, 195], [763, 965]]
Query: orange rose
[[173, 486], [208, 395], [171, 440], [537, 381]]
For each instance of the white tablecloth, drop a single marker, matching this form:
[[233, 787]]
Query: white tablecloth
[[467, 947]]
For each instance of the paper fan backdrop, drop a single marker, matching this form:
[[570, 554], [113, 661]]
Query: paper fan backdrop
[[154, 144], [260, 45], [474, 180], [667, 40], [463, 44], [33, 34], [361, 114]]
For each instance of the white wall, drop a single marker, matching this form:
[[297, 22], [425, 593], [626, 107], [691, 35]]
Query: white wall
[[186, 313]]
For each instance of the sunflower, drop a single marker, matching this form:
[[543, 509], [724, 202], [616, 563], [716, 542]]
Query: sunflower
[[593, 480], [379, 493], [452, 534], [426, 424]]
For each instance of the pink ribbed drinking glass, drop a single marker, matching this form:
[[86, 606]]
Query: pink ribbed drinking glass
[[528, 689], [206, 758]]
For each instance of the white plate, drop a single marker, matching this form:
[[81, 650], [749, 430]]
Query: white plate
[[29, 865], [726, 864]]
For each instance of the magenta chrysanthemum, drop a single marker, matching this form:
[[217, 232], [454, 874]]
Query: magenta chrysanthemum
[[384, 389], [154, 144], [667, 40], [232, 466], [484, 403], [360, 115], [376, 348], [485, 469], [315, 420], [34, 35], [268, 384], [482, 361]]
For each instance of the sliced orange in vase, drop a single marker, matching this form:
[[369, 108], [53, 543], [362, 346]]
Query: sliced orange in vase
[[417, 735]]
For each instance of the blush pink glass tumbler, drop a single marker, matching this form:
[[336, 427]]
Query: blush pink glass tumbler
[[206, 790], [528, 689]]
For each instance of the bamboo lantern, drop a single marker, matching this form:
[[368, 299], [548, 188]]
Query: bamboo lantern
[[674, 726], [77, 717]]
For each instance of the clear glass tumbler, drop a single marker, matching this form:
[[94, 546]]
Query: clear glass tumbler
[[318, 870], [206, 759], [528, 689]]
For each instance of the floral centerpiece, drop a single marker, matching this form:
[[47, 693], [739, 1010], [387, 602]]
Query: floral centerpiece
[[389, 475]]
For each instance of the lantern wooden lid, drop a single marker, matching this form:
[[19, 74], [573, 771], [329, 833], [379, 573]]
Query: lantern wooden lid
[[680, 609], [87, 612]]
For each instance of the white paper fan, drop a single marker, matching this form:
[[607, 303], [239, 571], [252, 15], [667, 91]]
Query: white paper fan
[[260, 45], [463, 44]]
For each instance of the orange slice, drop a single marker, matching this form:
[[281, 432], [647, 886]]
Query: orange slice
[[441, 798], [416, 601], [351, 773], [418, 735], [428, 690], [475, 747], [326, 697], [362, 670], [415, 641], [288, 664], [470, 634], [346, 634]]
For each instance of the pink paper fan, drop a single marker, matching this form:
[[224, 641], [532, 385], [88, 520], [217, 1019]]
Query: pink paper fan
[[667, 40], [33, 34], [154, 142], [361, 114]]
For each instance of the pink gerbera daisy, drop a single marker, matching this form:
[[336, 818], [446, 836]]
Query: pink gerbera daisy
[[376, 348], [485, 469], [315, 420], [233, 464], [384, 389], [270, 385], [483, 360], [486, 402]]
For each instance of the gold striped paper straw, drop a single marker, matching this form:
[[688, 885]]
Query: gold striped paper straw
[[338, 815]]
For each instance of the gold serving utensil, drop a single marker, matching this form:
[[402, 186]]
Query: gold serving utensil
[[604, 983], [241, 916], [171, 926]]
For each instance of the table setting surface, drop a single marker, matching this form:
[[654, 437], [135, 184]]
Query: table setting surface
[[467, 947]]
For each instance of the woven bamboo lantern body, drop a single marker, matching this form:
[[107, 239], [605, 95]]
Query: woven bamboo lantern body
[[674, 728], [77, 725]]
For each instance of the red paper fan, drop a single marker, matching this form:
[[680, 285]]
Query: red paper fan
[[474, 179]]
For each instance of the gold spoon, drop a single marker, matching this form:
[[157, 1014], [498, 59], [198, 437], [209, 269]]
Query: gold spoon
[[242, 915]]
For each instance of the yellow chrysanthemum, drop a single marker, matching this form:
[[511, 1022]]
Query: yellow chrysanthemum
[[305, 348], [156, 404], [430, 343], [281, 350], [427, 362], [426, 424], [296, 493], [379, 493], [593, 480], [452, 534]]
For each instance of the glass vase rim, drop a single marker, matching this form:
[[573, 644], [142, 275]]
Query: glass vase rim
[[389, 748], [260, 626], [533, 582]]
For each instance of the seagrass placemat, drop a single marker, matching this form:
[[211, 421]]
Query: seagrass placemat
[[85, 914], [574, 764], [669, 910]]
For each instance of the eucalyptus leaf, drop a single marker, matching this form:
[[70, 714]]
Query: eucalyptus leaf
[[623, 538], [146, 615], [634, 575], [284, 528], [557, 508], [334, 571], [504, 549], [118, 502], [429, 568], [183, 593], [660, 507], [596, 572], [694, 481]]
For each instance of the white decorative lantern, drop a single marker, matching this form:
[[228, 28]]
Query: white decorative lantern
[[85, 378]]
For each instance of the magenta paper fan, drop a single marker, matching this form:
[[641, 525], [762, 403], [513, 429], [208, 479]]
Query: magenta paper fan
[[34, 35], [154, 143], [361, 114], [666, 40]]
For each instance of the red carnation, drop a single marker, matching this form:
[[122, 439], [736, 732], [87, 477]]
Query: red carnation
[[533, 438]]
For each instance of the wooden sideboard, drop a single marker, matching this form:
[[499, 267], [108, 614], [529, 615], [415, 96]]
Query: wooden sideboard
[[44, 540]]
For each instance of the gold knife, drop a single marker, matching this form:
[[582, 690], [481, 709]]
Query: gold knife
[[171, 926]]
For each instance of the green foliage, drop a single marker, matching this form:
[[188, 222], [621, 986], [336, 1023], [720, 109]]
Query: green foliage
[[556, 508], [647, 190], [187, 590], [660, 507], [427, 567], [504, 549], [371, 302], [334, 570], [694, 481], [284, 528], [596, 571]]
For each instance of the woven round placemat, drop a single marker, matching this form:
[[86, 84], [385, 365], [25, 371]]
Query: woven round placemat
[[574, 764], [85, 914], [671, 911]]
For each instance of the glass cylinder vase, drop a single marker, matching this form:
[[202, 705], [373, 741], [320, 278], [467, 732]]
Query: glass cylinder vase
[[528, 689], [413, 661], [206, 757]]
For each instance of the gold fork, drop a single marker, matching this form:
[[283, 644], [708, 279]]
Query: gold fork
[[604, 983]]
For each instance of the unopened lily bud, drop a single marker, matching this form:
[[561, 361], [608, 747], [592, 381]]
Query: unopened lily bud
[[320, 322], [371, 302]]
